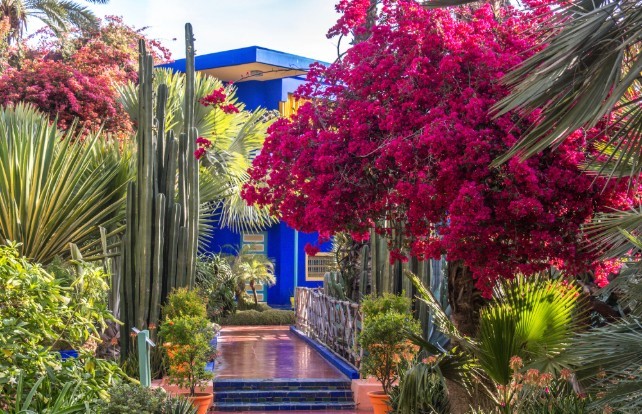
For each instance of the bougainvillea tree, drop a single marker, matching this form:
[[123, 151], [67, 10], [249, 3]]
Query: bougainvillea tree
[[77, 78], [400, 131]]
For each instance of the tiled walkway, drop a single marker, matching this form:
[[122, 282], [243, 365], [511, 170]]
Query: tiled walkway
[[270, 352]]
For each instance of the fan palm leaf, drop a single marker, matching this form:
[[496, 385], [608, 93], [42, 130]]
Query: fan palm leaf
[[534, 318], [609, 360], [54, 190]]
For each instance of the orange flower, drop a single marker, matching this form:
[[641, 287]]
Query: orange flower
[[532, 377], [566, 374], [515, 363]]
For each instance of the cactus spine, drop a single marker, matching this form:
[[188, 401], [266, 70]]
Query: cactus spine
[[161, 239]]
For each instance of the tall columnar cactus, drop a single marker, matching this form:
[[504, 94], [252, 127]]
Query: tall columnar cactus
[[387, 278], [365, 280], [161, 240]]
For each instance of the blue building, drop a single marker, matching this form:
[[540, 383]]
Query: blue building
[[267, 78]]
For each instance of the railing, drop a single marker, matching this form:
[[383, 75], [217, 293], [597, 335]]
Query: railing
[[334, 323]]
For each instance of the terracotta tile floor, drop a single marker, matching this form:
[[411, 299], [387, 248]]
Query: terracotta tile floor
[[269, 352]]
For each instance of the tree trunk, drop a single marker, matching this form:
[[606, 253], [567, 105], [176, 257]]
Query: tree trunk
[[256, 298], [465, 300], [240, 294]]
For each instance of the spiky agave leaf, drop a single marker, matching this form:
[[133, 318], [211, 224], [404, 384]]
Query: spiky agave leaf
[[54, 190]]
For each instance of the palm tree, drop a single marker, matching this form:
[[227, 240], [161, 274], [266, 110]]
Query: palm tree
[[58, 15], [251, 269]]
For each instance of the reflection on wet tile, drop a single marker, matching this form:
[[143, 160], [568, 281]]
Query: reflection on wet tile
[[268, 352]]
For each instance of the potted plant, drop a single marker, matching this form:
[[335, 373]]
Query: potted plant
[[385, 343], [187, 335]]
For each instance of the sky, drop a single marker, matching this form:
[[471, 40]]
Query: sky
[[291, 26]]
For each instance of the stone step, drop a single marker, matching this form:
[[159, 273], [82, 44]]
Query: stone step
[[292, 406], [265, 396], [280, 384]]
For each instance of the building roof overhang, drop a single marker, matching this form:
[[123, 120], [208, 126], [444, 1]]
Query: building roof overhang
[[248, 63]]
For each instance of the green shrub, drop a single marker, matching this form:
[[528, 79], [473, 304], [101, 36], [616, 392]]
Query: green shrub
[[259, 307], [372, 305], [187, 333], [253, 317], [37, 315], [386, 321], [184, 302], [215, 279], [421, 389], [134, 399]]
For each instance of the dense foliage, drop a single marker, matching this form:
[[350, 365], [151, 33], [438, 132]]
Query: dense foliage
[[187, 334], [260, 317], [524, 349], [384, 341], [215, 279], [54, 191], [398, 135], [40, 314], [77, 77], [135, 399]]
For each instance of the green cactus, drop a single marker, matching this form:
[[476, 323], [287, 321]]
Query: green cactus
[[334, 285], [387, 278], [365, 281], [161, 240]]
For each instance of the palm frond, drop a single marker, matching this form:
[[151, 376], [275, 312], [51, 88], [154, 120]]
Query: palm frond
[[609, 360], [235, 139], [614, 232], [439, 317], [589, 70], [531, 317]]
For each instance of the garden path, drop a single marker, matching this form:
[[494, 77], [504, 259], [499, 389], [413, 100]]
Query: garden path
[[270, 352]]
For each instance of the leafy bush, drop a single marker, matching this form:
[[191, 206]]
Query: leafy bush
[[183, 302], [383, 338], [187, 333], [259, 307], [253, 317], [38, 313], [134, 399], [215, 279], [421, 389], [69, 400]]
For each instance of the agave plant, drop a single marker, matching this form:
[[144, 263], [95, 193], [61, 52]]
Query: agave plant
[[235, 138], [55, 190]]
